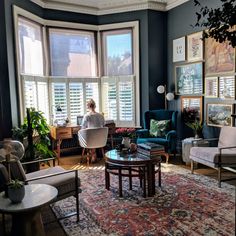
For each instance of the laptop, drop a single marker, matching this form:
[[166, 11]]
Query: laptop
[[79, 120]]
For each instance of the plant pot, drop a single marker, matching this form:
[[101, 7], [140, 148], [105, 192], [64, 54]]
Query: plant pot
[[16, 195]]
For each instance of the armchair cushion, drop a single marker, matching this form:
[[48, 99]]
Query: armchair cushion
[[64, 182], [210, 155], [159, 128]]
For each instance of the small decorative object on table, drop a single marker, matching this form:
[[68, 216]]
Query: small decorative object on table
[[127, 134], [16, 191]]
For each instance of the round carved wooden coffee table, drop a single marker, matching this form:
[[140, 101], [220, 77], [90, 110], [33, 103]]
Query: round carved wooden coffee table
[[133, 165]]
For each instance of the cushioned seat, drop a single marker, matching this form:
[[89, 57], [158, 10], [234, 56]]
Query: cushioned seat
[[210, 155], [217, 157], [64, 183]]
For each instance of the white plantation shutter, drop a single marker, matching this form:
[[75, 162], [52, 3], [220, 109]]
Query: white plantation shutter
[[118, 100], [36, 94], [126, 101], [59, 98], [71, 95], [76, 100], [30, 94], [109, 104], [91, 90]]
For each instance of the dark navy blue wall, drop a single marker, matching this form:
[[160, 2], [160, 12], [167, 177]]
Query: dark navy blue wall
[[179, 21]]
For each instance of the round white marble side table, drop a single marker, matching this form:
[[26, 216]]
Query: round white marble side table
[[26, 215]]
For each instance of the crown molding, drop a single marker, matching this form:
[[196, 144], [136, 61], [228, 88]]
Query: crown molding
[[174, 3], [108, 7]]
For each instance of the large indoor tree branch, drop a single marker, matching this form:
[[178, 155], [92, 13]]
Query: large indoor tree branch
[[220, 22]]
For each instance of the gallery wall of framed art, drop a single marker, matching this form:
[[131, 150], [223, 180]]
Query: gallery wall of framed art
[[205, 73]]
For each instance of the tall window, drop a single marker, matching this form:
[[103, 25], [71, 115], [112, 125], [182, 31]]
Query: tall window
[[72, 53], [30, 47], [118, 81]]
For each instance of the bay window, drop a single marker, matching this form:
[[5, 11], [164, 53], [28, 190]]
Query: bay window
[[59, 70]]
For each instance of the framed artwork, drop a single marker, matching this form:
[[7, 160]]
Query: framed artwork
[[179, 49], [191, 108], [188, 79], [219, 114], [211, 87], [195, 47], [219, 57], [227, 87]]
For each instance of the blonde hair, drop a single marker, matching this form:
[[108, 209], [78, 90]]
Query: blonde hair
[[91, 104]]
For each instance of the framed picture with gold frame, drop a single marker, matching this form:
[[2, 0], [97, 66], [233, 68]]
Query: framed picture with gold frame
[[195, 47], [211, 87], [219, 58], [227, 87], [189, 79], [220, 114], [191, 108]]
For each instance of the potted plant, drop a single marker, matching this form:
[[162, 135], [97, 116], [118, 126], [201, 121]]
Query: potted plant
[[16, 191], [34, 133], [196, 126]]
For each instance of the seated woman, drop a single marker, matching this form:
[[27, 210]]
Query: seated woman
[[92, 119]]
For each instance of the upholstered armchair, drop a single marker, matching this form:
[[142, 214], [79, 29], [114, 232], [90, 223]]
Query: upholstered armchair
[[222, 156], [168, 137], [67, 182]]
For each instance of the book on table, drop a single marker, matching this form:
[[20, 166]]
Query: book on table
[[150, 149], [149, 153], [151, 146]]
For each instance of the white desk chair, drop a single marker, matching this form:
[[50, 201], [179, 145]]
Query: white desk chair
[[92, 138]]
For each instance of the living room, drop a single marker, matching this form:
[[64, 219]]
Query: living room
[[42, 43]]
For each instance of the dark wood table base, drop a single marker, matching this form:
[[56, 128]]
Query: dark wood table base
[[145, 172]]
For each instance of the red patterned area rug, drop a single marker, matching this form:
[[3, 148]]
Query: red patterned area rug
[[185, 205]]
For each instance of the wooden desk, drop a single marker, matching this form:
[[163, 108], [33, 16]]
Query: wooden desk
[[60, 133]]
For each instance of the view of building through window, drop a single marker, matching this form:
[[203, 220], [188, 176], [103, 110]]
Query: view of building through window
[[72, 53]]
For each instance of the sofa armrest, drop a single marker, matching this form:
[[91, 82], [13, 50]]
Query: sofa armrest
[[52, 175], [141, 133], [195, 141], [221, 148], [39, 161], [171, 134]]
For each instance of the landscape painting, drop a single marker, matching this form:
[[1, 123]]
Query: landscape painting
[[219, 114]]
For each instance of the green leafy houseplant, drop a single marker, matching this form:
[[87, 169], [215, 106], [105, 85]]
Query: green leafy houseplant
[[196, 126], [15, 184], [36, 130], [219, 21]]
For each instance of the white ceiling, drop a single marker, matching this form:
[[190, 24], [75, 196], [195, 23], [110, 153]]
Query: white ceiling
[[101, 7]]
